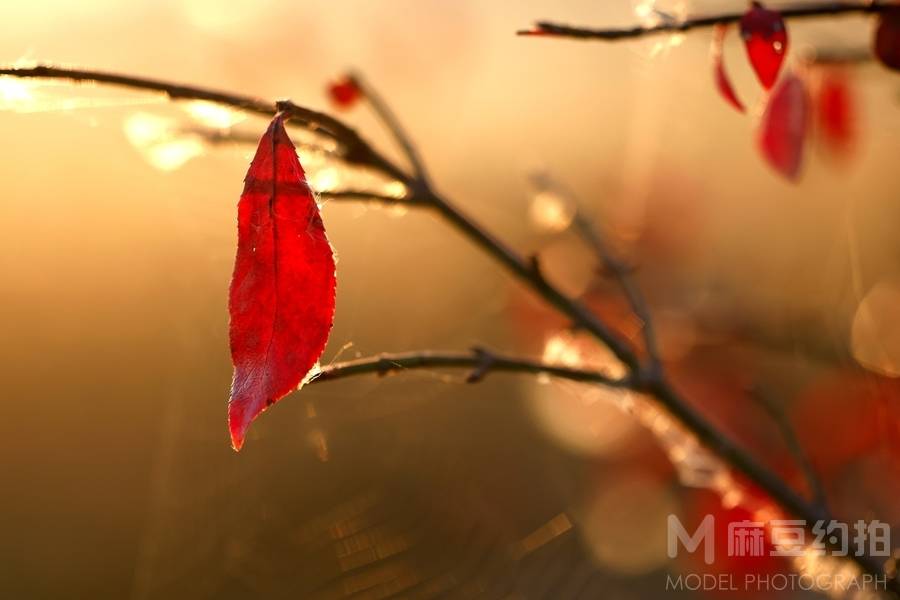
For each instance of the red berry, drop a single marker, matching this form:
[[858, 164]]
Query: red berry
[[345, 92], [887, 38], [765, 37]]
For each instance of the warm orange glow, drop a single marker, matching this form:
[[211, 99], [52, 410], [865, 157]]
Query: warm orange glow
[[158, 141], [213, 115], [551, 211], [15, 94], [875, 334], [624, 523], [118, 221]]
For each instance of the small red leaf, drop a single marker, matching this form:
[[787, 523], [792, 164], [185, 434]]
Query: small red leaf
[[282, 293], [887, 38], [784, 125], [766, 40], [345, 92], [723, 83], [836, 112]]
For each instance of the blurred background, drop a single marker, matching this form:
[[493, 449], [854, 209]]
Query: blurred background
[[118, 237]]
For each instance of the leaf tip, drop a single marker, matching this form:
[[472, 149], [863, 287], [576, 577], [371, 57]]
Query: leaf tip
[[237, 426]]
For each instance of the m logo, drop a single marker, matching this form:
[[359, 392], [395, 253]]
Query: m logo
[[704, 534]]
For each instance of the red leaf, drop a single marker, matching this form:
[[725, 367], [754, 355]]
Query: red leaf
[[723, 83], [282, 292], [766, 40], [887, 38], [345, 92], [836, 112], [782, 132]]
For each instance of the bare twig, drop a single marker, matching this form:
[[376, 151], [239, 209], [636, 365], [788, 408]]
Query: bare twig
[[621, 272], [479, 361], [353, 148], [366, 196], [767, 403], [390, 120], [215, 136], [824, 9], [651, 382], [839, 56], [611, 264]]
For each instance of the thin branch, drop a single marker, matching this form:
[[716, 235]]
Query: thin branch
[[816, 488], [390, 120], [612, 265], [366, 196], [353, 148], [357, 150], [523, 269], [480, 361], [621, 272], [839, 56], [824, 9], [215, 136]]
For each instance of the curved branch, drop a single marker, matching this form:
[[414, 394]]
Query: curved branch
[[783, 423], [365, 196], [825, 9], [479, 361], [390, 120], [354, 148]]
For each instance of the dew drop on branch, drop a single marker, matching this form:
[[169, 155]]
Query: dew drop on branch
[[653, 13]]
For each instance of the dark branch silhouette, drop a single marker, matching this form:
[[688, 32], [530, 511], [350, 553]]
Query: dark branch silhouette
[[672, 25], [479, 361]]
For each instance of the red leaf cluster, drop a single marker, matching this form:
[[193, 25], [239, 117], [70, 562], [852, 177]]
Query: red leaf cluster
[[788, 115]]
